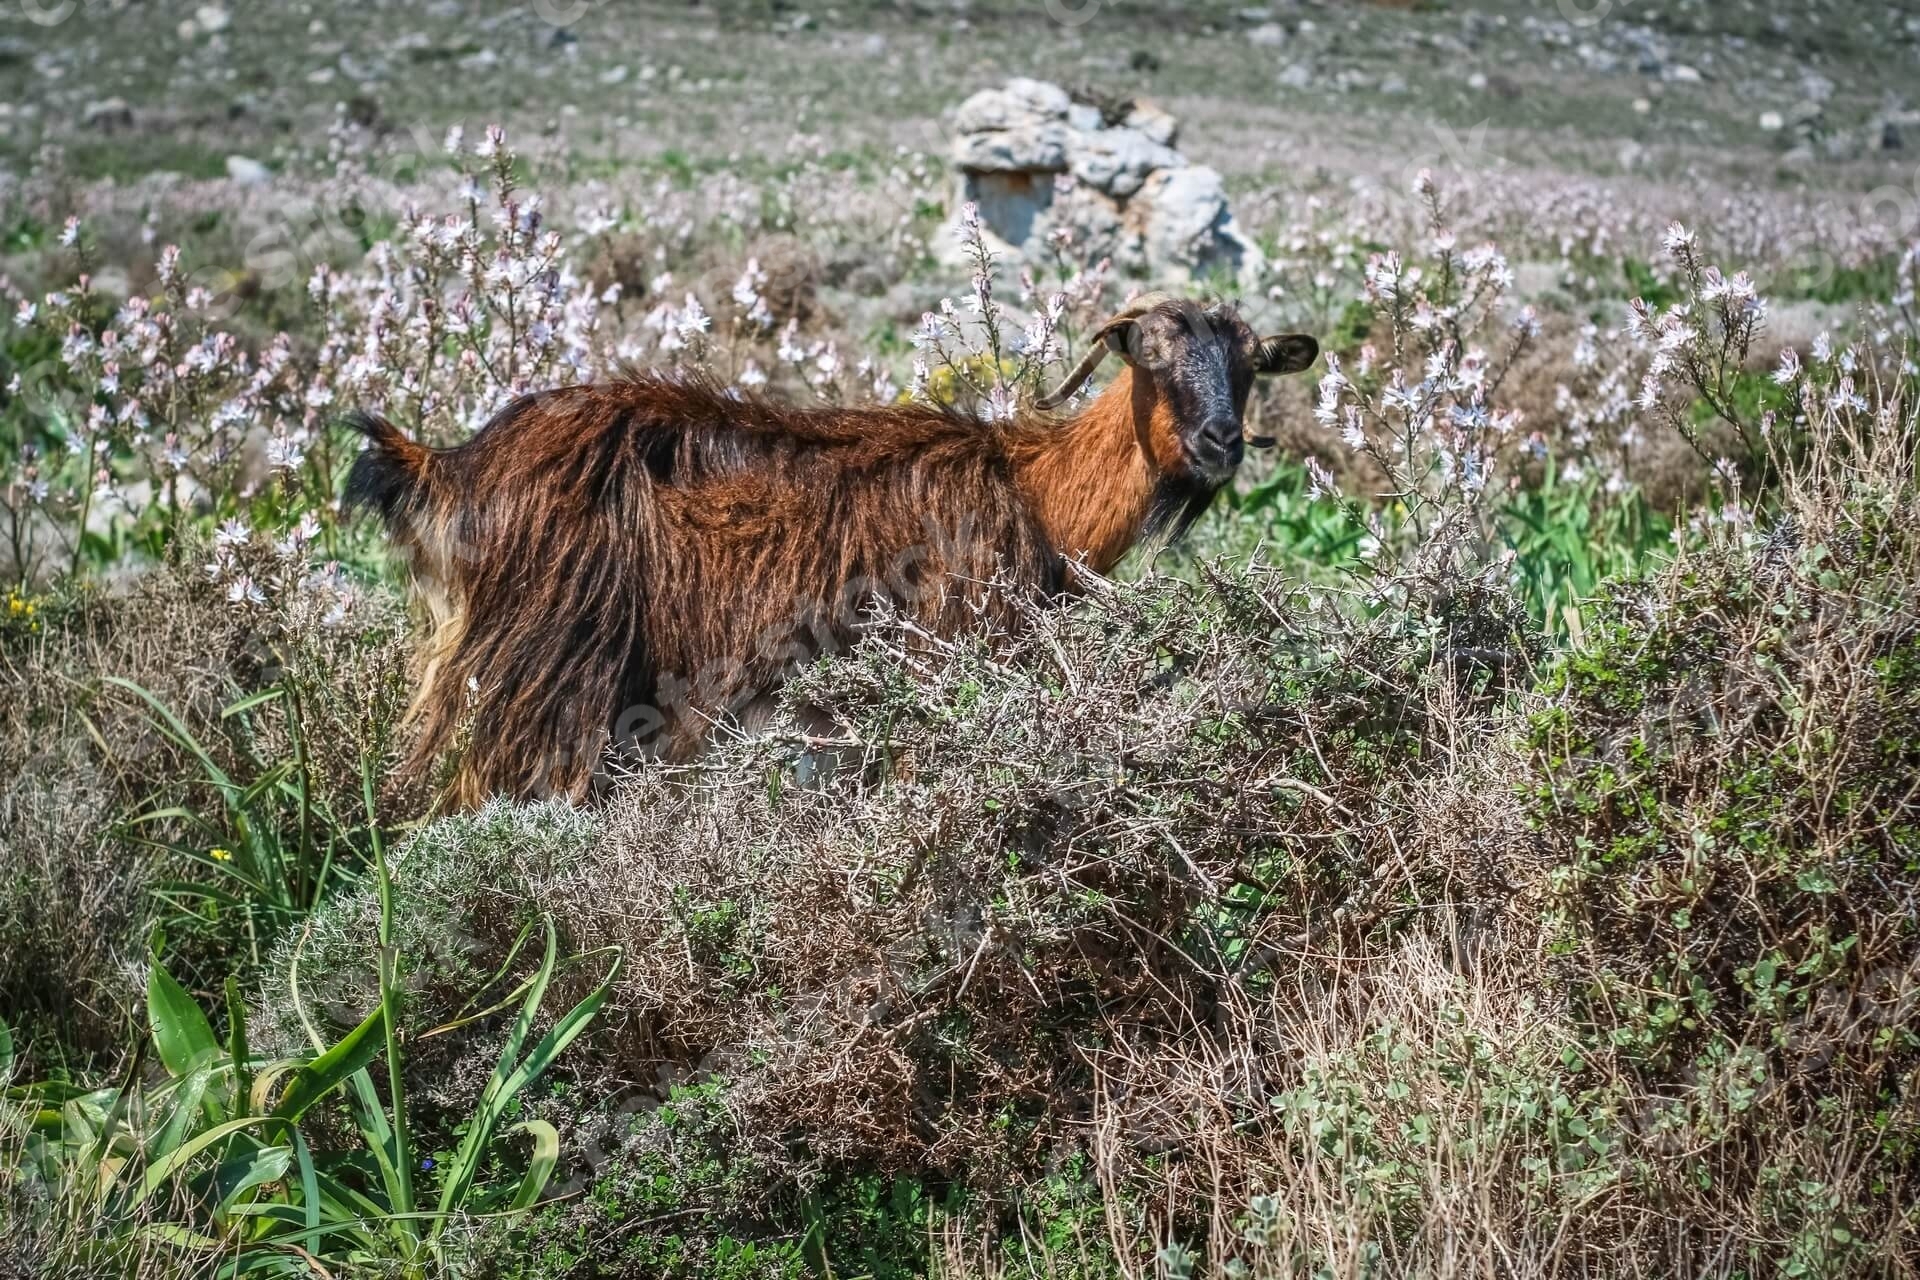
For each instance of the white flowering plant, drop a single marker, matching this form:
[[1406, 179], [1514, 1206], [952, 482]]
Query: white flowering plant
[[1421, 401]]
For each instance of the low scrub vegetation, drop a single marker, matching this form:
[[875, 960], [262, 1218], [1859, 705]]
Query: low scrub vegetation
[[1456, 860]]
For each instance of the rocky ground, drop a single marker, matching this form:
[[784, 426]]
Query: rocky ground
[[1808, 95]]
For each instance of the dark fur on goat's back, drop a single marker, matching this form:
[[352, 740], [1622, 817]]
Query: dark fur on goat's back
[[641, 556]]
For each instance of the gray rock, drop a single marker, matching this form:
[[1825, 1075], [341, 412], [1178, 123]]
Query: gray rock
[[1034, 163], [1268, 34], [248, 172], [109, 115], [1153, 120], [1807, 120], [1597, 59], [1098, 226], [1085, 117], [1023, 101], [1842, 144], [1188, 222], [1117, 161], [1039, 147], [1297, 76]]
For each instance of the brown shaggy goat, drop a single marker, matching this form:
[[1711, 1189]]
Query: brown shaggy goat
[[632, 560]]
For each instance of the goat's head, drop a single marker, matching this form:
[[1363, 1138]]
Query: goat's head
[[1199, 363]]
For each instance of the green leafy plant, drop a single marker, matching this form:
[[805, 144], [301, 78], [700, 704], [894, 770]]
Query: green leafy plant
[[274, 847], [215, 1161], [1567, 539]]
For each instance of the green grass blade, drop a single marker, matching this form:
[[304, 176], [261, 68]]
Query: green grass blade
[[186, 1105], [402, 1153], [322, 1075], [251, 701], [171, 726], [564, 1032], [161, 1171], [309, 1180], [375, 1131], [546, 1155], [514, 1074], [494, 1098], [181, 1031], [244, 1172]]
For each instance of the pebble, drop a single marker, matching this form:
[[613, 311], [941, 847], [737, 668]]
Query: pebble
[[248, 172], [108, 114]]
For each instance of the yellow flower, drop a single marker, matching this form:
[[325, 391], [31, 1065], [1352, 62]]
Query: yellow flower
[[220, 855]]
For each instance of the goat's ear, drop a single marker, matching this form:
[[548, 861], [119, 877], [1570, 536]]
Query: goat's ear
[[1285, 353]]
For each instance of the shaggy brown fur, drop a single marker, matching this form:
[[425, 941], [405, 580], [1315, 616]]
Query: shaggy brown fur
[[639, 558]]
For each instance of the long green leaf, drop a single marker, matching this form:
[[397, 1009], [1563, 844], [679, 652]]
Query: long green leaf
[[170, 724], [555, 1042], [309, 1180], [186, 1106], [243, 1172], [251, 701], [181, 1031], [161, 1171], [172, 813], [377, 1134], [319, 1077], [546, 1154], [178, 1237], [514, 1074], [494, 1098], [401, 1147], [6, 1052], [180, 892]]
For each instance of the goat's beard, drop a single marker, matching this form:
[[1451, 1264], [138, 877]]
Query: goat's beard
[[1178, 500]]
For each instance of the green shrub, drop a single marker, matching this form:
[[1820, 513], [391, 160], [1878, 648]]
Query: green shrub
[[1727, 773]]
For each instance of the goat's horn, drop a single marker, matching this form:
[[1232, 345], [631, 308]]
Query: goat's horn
[[1077, 379], [1131, 311]]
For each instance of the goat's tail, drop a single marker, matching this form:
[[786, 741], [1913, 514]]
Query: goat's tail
[[390, 475]]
